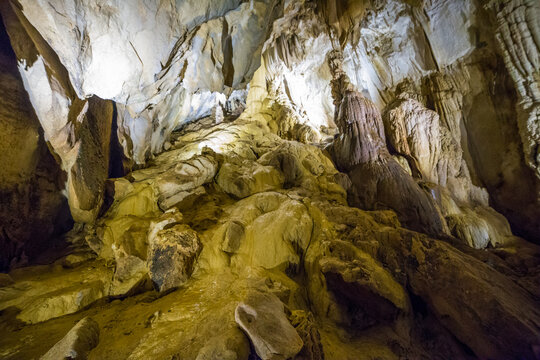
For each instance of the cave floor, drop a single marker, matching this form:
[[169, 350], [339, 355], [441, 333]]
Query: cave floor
[[260, 223]]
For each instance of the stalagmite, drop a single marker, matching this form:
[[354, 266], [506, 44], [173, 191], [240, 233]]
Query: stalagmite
[[378, 181]]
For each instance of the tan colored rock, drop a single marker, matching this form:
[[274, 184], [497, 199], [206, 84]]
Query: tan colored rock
[[179, 182], [126, 223], [5, 280], [245, 178], [192, 53], [267, 230], [378, 181], [482, 308], [478, 226], [473, 298], [294, 60], [353, 274], [305, 167], [230, 345], [78, 258], [413, 131], [261, 316], [30, 180], [517, 36], [130, 275], [79, 131], [77, 343], [56, 292]]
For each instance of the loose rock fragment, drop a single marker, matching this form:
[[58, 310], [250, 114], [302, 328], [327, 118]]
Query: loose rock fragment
[[262, 318], [171, 256], [77, 343]]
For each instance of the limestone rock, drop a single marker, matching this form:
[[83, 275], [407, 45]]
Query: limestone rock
[[267, 230], [378, 180], [247, 178], [130, 275], [501, 314], [56, 292], [231, 345], [413, 131], [77, 343], [190, 53], [244, 216], [171, 256], [79, 131], [184, 179], [305, 167], [5, 280], [357, 279], [77, 258], [30, 181], [432, 153], [294, 60], [305, 326], [479, 227], [126, 223], [466, 296], [261, 316], [517, 26]]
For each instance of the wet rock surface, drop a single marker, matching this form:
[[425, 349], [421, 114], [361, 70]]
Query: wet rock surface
[[77, 343], [270, 180]]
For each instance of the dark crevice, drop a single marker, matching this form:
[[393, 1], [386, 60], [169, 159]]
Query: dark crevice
[[116, 152], [226, 44], [33, 213]]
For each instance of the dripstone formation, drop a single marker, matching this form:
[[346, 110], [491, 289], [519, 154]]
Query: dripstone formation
[[269, 179]]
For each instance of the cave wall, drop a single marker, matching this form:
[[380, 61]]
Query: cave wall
[[170, 64], [163, 63], [455, 55], [447, 56], [33, 209]]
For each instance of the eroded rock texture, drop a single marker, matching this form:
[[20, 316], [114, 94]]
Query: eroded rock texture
[[78, 131], [270, 179], [32, 209]]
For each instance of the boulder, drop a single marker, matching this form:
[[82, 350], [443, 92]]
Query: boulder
[[77, 343], [268, 230], [184, 179], [171, 256], [261, 316]]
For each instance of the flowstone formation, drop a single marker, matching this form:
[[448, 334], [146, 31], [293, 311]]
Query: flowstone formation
[[275, 258], [269, 180]]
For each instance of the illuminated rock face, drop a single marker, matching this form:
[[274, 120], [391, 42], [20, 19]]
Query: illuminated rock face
[[457, 58], [162, 63], [177, 62], [271, 179]]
